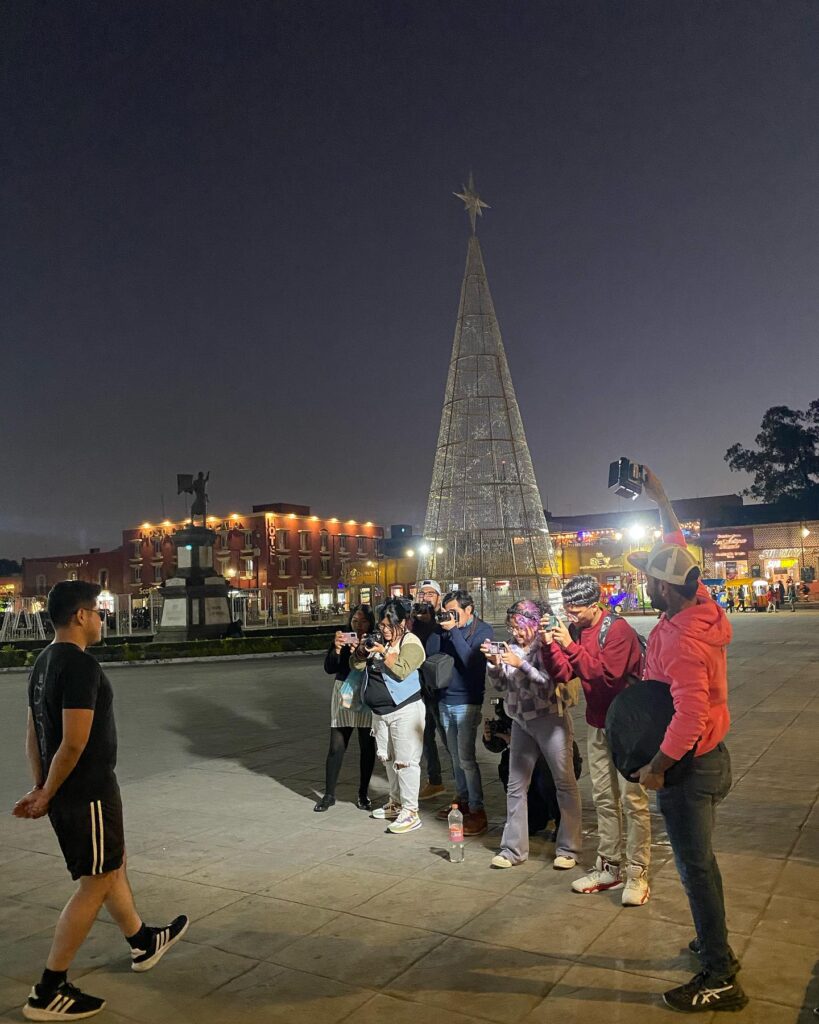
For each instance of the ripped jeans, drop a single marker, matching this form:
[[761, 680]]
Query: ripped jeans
[[399, 740]]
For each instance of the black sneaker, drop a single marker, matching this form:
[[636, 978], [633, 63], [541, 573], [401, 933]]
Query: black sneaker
[[705, 994], [65, 1003], [160, 942]]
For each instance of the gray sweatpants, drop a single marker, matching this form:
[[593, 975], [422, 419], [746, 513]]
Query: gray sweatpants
[[553, 737]]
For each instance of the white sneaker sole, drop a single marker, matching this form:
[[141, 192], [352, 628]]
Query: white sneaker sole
[[637, 903], [146, 965], [32, 1013], [409, 828], [596, 888]]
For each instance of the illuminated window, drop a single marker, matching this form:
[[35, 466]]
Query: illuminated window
[[136, 574], [283, 540], [325, 540], [305, 541], [304, 566], [325, 567], [284, 566]]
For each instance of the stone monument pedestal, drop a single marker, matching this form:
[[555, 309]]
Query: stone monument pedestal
[[195, 602]]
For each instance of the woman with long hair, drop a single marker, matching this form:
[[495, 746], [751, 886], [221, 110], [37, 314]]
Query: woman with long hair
[[348, 713], [541, 724], [392, 691]]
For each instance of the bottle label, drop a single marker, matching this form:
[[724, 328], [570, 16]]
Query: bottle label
[[456, 833]]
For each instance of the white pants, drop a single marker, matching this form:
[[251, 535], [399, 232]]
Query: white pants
[[399, 743]]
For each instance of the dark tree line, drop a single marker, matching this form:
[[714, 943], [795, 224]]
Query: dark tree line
[[785, 461]]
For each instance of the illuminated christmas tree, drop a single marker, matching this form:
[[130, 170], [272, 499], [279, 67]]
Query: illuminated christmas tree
[[485, 528]]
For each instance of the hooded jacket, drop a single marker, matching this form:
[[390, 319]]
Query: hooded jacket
[[689, 652]]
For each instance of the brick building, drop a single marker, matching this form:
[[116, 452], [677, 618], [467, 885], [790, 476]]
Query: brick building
[[286, 549]]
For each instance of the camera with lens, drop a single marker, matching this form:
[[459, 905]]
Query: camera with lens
[[501, 722], [627, 478], [447, 616], [422, 608], [372, 639]]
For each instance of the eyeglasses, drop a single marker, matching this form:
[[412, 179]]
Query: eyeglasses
[[99, 611]]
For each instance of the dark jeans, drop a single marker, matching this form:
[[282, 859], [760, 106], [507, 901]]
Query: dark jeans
[[432, 725], [689, 811]]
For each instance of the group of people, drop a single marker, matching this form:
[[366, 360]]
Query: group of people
[[538, 672], [404, 680]]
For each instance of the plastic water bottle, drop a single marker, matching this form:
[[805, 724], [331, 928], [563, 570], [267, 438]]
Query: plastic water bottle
[[456, 835]]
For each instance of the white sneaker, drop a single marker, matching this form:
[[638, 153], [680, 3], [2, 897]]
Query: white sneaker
[[636, 891], [407, 821], [602, 876], [389, 812], [561, 863], [501, 862]]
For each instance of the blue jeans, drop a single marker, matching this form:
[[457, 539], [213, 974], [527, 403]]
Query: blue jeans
[[689, 811], [461, 723]]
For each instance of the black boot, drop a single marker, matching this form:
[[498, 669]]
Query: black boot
[[363, 803], [325, 803]]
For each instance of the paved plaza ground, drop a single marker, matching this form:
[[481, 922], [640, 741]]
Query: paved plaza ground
[[301, 917]]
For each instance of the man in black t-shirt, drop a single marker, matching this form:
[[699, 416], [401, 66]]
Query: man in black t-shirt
[[71, 744]]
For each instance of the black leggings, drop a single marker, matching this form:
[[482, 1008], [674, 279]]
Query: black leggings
[[339, 741]]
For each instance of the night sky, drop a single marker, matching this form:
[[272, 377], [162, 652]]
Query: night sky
[[230, 243]]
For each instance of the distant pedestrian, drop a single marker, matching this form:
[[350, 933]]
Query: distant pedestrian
[[731, 602], [773, 606], [71, 744]]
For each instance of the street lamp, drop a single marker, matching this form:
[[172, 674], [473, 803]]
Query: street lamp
[[803, 534]]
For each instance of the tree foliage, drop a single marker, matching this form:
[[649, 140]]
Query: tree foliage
[[8, 567], [785, 462]]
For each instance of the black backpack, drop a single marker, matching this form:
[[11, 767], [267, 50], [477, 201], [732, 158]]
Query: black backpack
[[605, 626]]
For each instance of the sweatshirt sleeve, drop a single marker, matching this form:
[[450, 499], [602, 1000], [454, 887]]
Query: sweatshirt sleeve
[[410, 657], [332, 662], [556, 663], [688, 676], [604, 669]]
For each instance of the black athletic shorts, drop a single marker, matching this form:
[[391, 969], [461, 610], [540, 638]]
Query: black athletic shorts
[[90, 833]]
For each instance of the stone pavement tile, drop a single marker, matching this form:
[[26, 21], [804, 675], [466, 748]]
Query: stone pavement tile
[[327, 885], [176, 859], [33, 870], [551, 886], [800, 879], [10, 853], [668, 902], [406, 855], [382, 1009], [313, 844], [593, 995], [420, 904], [24, 960], [13, 994], [789, 919], [752, 870], [159, 900], [38, 837], [780, 972], [474, 871], [735, 836], [645, 945], [172, 990], [759, 1012], [807, 846], [269, 993], [558, 931], [54, 894], [257, 926], [252, 870], [18, 920], [356, 949], [494, 982]]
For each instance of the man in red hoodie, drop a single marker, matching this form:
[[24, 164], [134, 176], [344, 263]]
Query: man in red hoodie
[[687, 649], [604, 652]]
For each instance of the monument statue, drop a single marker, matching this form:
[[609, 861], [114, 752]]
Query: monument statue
[[188, 484]]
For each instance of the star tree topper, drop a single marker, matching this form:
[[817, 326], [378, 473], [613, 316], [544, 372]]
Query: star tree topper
[[472, 201]]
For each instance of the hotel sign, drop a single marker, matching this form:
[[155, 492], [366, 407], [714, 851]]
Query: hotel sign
[[728, 545]]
